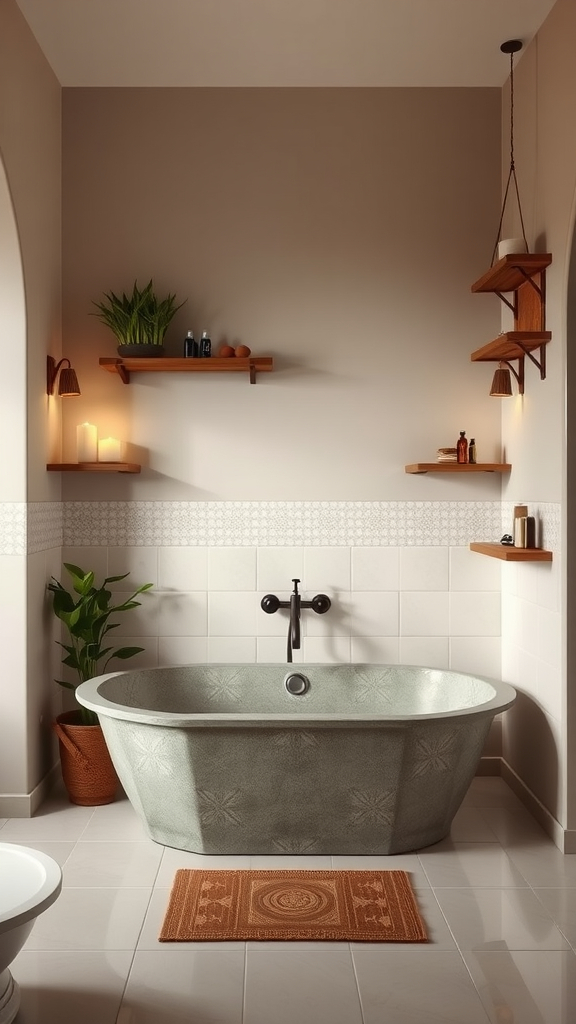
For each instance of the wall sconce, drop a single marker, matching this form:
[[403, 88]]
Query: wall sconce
[[502, 383], [68, 383]]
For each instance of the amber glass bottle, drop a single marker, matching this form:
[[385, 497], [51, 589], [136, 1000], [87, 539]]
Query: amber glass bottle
[[462, 448]]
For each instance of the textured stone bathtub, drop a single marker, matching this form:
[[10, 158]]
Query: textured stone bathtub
[[221, 759]]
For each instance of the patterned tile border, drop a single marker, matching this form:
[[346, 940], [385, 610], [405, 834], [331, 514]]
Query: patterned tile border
[[39, 526], [282, 523]]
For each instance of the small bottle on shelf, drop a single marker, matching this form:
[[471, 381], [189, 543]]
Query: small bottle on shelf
[[462, 448], [190, 346], [205, 346], [472, 451]]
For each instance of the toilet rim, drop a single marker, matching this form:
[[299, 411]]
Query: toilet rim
[[44, 891]]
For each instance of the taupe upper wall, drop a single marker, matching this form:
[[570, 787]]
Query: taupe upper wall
[[338, 230]]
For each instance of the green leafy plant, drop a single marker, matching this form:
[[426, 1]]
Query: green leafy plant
[[138, 319], [87, 621]]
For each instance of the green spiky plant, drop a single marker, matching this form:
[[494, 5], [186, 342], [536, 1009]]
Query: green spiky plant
[[138, 319], [86, 620]]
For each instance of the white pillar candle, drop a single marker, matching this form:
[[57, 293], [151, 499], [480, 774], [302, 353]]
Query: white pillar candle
[[86, 442], [109, 450]]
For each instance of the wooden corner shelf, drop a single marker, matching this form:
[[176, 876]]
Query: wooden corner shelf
[[511, 271], [458, 467], [511, 345], [165, 364], [510, 554], [93, 467]]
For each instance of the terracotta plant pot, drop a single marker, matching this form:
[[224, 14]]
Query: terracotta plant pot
[[89, 775], [141, 351]]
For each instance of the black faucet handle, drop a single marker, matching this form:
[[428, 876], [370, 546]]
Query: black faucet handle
[[296, 582]]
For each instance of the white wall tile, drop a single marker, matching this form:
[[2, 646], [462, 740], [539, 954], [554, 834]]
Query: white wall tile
[[232, 649], [527, 581], [327, 650], [182, 650], [148, 658], [510, 618], [183, 568], [273, 623], [140, 562], [326, 568], [476, 614], [529, 627], [549, 637], [428, 651], [232, 568], [277, 567], [424, 568], [424, 614], [550, 690], [472, 571], [357, 614], [548, 594], [374, 650], [142, 621], [528, 666], [375, 568], [233, 614], [182, 614], [91, 559], [477, 655], [273, 649]]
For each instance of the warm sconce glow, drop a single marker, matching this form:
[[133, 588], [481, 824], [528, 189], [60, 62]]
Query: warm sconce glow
[[68, 382], [502, 382]]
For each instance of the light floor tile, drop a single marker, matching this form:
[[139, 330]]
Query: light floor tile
[[174, 859], [59, 852], [544, 865], [491, 791], [290, 863], [298, 985], [470, 826], [515, 827], [525, 986], [113, 864], [480, 918], [399, 862], [91, 919], [185, 986], [470, 864], [65, 986], [148, 938], [53, 822], [114, 822], [415, 986], [561, 905]]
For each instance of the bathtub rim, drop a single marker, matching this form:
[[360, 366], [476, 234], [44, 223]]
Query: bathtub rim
[[87, 694]]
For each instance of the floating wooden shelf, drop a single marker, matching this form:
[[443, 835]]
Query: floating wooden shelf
[[512, 271], [458, 467], [93, 467], [511, 345], [251, 365], [511, 554]]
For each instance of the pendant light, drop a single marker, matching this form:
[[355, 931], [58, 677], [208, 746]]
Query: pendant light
[[511, 47]]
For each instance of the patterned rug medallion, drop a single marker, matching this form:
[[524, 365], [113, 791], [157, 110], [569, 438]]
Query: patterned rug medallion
[[359, 906]]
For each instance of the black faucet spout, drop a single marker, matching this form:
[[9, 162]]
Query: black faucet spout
[[295, 617]]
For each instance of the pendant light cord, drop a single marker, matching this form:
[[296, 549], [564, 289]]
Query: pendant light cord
[[512, 171]]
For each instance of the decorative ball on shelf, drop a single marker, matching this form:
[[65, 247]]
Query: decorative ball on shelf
[[242, 351], [226, 351]]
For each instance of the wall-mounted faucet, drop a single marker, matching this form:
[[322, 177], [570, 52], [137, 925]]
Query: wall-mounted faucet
[[319, 604]]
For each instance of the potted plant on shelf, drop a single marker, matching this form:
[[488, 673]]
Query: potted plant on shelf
[[138, 321], [87, 768]]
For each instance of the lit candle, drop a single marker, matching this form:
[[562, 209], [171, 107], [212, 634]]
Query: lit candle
[[86, 442], [109, 450]]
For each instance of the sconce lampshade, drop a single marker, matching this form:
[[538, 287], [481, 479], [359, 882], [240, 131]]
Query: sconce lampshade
[[68, 381], [502, 383]]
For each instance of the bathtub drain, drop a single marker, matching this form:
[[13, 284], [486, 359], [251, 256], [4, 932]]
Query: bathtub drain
[[296, 683]]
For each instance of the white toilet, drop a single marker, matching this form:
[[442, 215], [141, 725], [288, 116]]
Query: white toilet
[[30, 882]]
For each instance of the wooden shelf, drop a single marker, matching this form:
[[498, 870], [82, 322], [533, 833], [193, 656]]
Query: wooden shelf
[[251, 365], [458, 467], [511, 554], [506, 346], [93, 467], [512, 271]]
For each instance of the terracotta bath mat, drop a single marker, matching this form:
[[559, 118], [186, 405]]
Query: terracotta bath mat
[[359, 906]]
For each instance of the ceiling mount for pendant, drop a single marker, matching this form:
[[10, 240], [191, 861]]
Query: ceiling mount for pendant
[[511, 46]]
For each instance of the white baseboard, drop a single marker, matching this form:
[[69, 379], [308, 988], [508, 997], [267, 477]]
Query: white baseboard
[[565, 839], [25, 805]]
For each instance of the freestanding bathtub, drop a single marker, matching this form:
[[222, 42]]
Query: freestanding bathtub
[[221, 759]]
